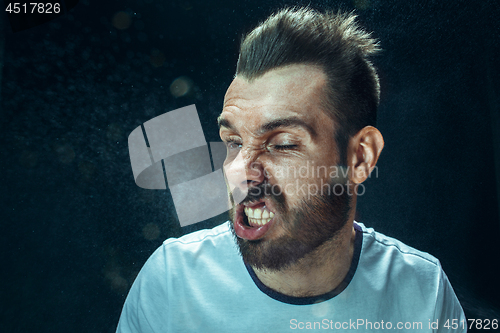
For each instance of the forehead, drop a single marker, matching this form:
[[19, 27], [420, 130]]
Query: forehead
[[292, 90]]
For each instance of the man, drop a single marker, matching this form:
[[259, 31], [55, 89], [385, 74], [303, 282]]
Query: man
[[298, 122]]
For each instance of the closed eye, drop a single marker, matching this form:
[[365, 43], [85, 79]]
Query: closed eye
[[285, 147]]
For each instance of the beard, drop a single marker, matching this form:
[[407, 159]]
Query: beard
[[316, 220]]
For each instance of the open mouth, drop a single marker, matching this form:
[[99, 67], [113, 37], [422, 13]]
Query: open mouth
[[253, 220], [257, 215]]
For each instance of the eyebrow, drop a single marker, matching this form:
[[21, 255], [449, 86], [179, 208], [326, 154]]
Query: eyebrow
[[273, 124], [222, 122]]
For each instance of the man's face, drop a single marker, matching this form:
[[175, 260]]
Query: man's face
[[279, 167]]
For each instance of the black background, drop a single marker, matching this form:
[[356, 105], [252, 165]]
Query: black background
[[75, 229]]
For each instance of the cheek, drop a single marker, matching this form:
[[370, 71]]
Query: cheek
[[291, 178], [302, 181], [280, 172], [288, 172]]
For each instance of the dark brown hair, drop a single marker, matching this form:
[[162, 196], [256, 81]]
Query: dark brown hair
[[334, 42]]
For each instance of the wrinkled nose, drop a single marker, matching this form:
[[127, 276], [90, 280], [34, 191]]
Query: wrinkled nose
[[243, 172]]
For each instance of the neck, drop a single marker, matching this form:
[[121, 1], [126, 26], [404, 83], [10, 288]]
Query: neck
[[317, 273]]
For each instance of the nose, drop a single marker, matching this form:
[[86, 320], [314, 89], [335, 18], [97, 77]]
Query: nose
[[244, 171]]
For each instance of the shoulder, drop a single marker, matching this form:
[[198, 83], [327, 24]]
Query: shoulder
[[385, 247], [186, 257], [193, 246], [400, 272], [161, 283], [386, 260], [220, 233]]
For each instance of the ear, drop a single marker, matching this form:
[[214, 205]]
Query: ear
[[363, 153]]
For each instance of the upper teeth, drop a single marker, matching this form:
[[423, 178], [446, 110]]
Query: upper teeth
[[259, 215]]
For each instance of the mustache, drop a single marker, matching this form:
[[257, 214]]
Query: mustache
[[260, 191]]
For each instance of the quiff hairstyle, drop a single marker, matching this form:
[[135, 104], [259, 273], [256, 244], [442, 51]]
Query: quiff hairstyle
[[334, 42]]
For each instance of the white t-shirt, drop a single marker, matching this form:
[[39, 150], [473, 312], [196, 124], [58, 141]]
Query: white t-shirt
[[199, 283]]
